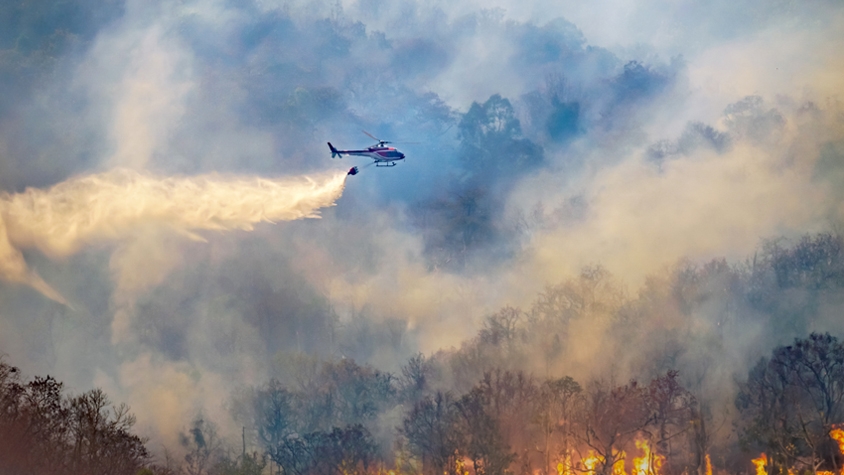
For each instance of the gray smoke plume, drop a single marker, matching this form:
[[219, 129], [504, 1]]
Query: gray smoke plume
[[549, 137]]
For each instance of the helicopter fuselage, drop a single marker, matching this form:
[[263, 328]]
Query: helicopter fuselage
[[383, 156]]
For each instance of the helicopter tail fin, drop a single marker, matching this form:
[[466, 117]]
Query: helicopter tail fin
[[334, 152]]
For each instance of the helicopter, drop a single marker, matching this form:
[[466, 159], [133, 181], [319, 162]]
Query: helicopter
[[384, 156]]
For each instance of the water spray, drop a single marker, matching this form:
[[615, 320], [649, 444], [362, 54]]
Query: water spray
[[112, 205]]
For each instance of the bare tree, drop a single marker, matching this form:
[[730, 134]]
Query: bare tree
[[611, 419], [672, 410], [204, 448], [791, 402], [560, 400], [42, 431], [431, 430], [415, 377]]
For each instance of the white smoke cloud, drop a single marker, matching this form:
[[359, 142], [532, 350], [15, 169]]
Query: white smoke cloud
[[177, 391], [169, 86]]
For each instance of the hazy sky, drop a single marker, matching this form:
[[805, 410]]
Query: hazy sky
[[144, 145]]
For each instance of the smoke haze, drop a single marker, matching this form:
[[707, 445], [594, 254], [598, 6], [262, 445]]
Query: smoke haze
[[542, 138]]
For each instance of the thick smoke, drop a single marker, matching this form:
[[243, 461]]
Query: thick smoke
[[549, 137]]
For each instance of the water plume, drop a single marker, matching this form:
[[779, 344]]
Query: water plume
[[115, 204]]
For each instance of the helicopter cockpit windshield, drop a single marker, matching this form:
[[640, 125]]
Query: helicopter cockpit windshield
[[390, 154]]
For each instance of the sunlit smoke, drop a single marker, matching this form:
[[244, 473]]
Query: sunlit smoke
[[115, 204]]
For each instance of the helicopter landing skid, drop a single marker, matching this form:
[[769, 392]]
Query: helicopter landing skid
[[391, 164]]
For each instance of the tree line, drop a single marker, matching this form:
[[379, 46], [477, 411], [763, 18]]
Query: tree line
[[501, 403], [507, 423], [44, 431]]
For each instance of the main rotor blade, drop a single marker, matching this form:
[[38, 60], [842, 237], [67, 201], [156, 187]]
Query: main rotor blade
[[374, 137]]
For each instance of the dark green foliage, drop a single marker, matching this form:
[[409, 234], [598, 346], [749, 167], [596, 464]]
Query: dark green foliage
[[638, 81], [321, 422], [326, 453], [492, 143], [342, 394], [358, 391], [493, 154]]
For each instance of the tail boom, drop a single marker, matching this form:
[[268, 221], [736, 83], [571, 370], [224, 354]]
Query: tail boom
[[334, 152]]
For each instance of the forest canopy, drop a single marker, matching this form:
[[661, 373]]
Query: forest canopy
[[483, 408]]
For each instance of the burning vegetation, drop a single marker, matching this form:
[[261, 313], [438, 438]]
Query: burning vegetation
[[478, 410], [507, 423], [128, 128]]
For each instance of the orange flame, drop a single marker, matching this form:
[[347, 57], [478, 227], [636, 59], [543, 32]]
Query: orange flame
[[591, 461], [459, 467], [648, 464], [838, 436], [708, 465], [761, 464], [564, 467], [618, 465]]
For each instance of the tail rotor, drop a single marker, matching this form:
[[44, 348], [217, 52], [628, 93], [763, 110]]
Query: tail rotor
[[334, 152]]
